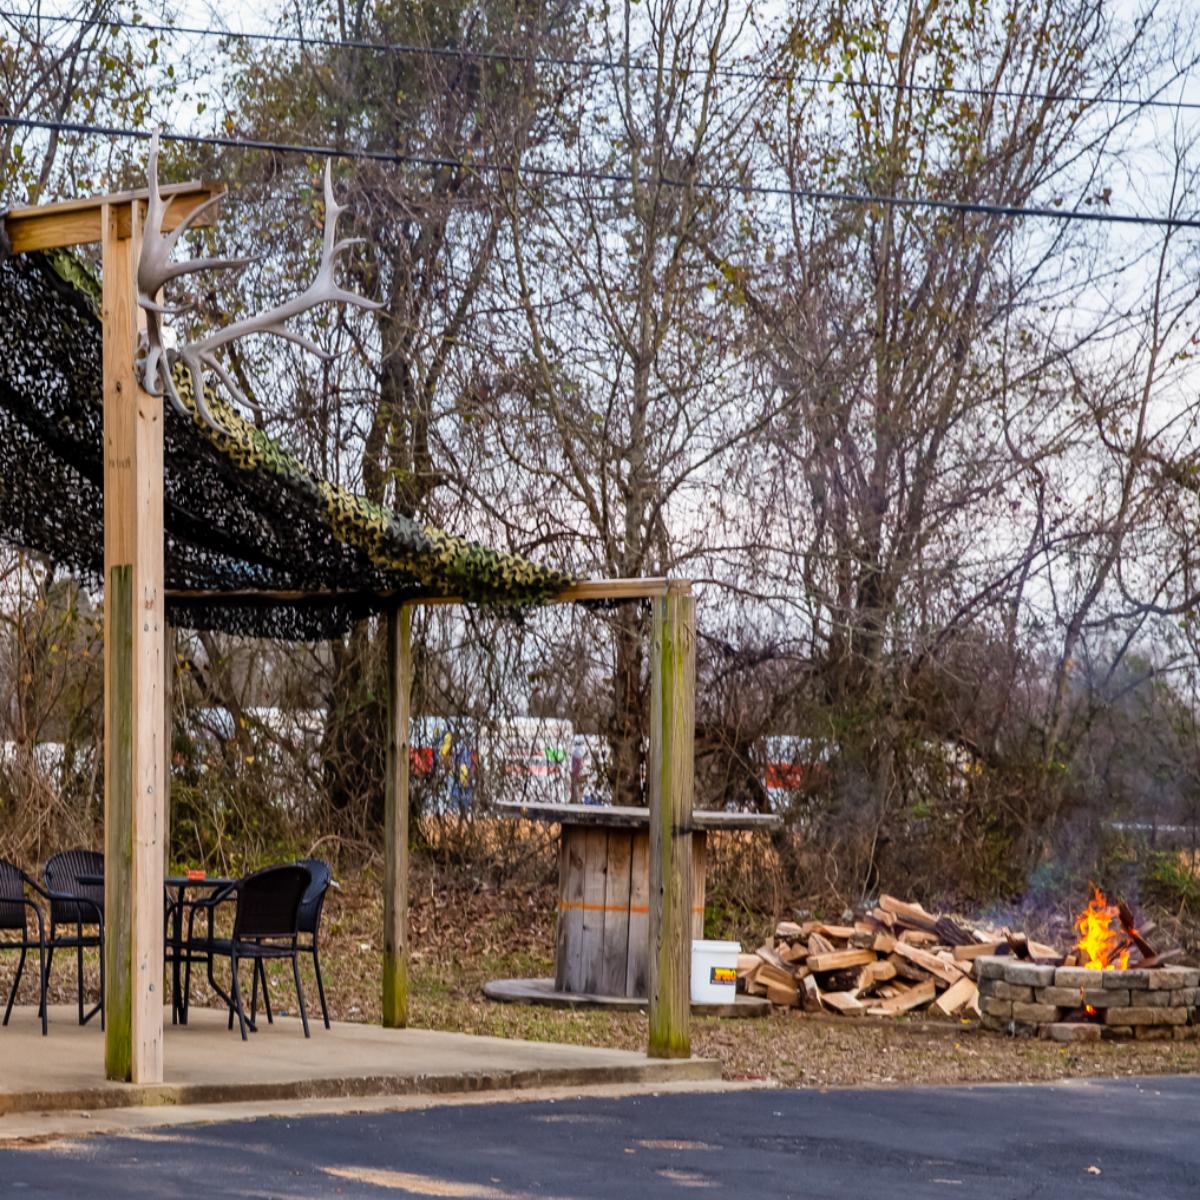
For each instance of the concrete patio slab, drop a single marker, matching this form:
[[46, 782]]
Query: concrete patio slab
[[207, 1064]]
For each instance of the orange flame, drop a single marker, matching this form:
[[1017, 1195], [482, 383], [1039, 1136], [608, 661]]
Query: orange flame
[[1098, 927]]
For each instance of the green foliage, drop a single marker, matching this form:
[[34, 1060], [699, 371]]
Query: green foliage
[[1171, 880]]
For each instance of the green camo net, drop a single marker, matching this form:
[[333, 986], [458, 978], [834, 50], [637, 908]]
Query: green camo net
[[240, 512]]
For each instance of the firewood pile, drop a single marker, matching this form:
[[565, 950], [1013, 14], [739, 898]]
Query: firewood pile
[[895, 958]]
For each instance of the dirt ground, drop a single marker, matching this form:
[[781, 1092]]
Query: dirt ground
[[465, 935]]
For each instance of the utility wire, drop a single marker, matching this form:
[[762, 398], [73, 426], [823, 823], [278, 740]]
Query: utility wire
[[502, 169], [552, 60]]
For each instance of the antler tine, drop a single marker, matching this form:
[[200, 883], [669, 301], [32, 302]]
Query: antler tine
[[155, 270]]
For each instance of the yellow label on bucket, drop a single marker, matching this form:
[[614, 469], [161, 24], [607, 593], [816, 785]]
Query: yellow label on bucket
[[723, 975]]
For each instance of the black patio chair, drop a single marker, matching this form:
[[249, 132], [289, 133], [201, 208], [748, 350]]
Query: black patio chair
[[15, 907], [78, 904], [265, 925], [308, 926]]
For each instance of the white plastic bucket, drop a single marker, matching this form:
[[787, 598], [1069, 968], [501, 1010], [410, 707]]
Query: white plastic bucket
[[714, 972]]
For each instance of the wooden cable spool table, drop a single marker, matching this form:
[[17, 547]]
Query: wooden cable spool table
[[602, 945]]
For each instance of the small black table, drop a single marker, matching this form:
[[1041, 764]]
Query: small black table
[[179, 884]]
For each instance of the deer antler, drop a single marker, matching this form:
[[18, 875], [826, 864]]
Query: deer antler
[[155, 269]]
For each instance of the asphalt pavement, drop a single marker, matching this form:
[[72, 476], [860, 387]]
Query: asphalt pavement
[[1094, 1139]]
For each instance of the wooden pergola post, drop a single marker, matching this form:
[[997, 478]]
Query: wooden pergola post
[[135, 753], [670, 772], [395, 887], [136, 741]]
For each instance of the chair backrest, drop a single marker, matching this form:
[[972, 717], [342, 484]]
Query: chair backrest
[[61, 873], [268, 902], [12, 897], [314, 895]]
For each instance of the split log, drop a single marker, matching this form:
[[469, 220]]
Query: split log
[[837, 959], [914, 997], [955, 999], [945, 971], [844, 1003], [819, 945], [810, 994]]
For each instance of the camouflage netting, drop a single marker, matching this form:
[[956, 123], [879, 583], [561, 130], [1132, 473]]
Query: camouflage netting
[[241, 514]]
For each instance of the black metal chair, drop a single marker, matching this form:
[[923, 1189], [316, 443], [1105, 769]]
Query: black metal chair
[[78, 904], [265, 925], [309, 924], [15, 907]]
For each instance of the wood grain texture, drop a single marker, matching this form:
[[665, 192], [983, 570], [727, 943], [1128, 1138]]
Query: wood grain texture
[[670, 773], [79, 222], [595, 878], [637, 970], [571, 907], [135, 653], [614, 968], [395, 887]]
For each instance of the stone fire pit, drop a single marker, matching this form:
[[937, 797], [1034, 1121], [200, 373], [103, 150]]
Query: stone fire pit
[[1078, 1004]]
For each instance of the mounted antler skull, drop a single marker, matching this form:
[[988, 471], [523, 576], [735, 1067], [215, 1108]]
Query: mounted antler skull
[[155, 270]]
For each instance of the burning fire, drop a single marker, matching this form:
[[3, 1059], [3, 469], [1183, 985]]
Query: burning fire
[[1099, 930]]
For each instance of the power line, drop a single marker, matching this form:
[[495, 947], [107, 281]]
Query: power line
[[616, 177], [618, 64]]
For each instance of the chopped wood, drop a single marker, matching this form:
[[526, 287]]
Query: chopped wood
[[862, 941], [946, 971], [911, 915], [1137, 937], [795, 953], [967, 953], [837, 959], [914, 997], [819, 945], [918, 937], [1158, 959], [879, 971], [785, 997], [908, 970], [955, 999], [810, 994], [769, 973], [1018, 943], [768, 955], [788, 930], [884, 943], [844, 1003], [747, 964], [836, 933]]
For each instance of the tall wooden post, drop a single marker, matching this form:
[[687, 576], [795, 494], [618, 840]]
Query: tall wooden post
[[395, 887], [134, 653], [670, 777]]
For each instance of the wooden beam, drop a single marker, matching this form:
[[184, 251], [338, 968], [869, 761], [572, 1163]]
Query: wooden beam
[[670, 775], [134, 675], [79, 222], [587, 589], [395, 886]]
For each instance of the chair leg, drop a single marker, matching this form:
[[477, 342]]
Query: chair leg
[[42, 983], [262, 974], [237, 998], [16, 984], [320, 983], [46, 970], [79, 969], [254, 991], [299, 991]]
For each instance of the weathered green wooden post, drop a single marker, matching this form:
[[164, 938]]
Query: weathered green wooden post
[[670, 772], [395, 888]]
